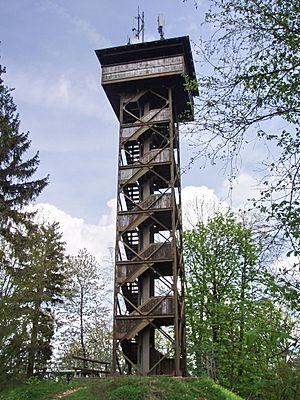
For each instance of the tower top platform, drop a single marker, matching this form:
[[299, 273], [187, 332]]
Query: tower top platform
[[150, 65]]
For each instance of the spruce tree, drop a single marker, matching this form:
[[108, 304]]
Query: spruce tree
[[35, 285], [17, 230], [17, 186], [41, 283]]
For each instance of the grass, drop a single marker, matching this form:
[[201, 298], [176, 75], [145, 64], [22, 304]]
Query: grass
[[122, 388], [35, 390]]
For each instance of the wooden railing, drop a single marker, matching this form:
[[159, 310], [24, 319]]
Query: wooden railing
[[91, 367]]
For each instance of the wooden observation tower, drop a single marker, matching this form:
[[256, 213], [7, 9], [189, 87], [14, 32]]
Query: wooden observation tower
[[145, 84]]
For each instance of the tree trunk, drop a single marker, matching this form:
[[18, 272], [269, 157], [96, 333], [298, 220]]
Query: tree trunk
[[215, 334], [82, 327], [242, 324], [33, 340]]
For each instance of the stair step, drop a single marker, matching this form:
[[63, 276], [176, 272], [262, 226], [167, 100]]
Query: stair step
[[139, 327], [130, 222], [132, 175], [132, 133], [128, 329], [132, 196], [155, 251], [129, 273]]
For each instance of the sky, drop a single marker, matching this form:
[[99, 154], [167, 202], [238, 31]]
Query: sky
[[48, 48]]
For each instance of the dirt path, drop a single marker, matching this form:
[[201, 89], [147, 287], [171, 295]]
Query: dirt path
[[66, 393]]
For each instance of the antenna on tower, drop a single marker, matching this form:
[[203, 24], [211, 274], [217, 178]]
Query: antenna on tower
[[161, 25], [138, 28]]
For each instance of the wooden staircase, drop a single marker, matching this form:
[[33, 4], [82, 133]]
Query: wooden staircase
[[155, 307], [131, 244], [133, 132], [132, 195], [130, 293], [126, 274], [129, 222], [130, 176], [129, 349]]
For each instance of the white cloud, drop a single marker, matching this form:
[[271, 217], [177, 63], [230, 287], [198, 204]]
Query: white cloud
[[97, 239], [240, 190], [199, 203]]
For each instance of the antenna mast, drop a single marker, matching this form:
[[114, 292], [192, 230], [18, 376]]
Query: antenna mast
[[161, 24], [139, 31]]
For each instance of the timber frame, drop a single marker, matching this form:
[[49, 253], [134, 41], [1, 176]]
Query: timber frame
[[145, 85]]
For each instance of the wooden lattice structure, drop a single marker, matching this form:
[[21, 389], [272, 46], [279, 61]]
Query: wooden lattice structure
[[145, 84]]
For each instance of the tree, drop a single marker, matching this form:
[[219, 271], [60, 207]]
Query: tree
[[84, 308], [254, 60], [288, 384], [34, 284], [42, 284], [236, 334], [17, 230], [17, 188], [98, 344]]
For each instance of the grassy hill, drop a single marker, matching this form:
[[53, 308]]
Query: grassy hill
[[121, 388]]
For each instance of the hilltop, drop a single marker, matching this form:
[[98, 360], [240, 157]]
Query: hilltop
[[122, 388]]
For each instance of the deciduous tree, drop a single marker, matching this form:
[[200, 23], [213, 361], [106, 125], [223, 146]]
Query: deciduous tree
[[236, 334], [84, 311], [252, 92]]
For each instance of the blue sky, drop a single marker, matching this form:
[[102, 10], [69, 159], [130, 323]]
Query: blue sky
[[48, 49]]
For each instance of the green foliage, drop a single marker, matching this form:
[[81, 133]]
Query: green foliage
[[252, 90], [36, 283], [287, 384], [236, 333], [17, 188], [30, 256], [249, 92], [85, 316], [97, 342]]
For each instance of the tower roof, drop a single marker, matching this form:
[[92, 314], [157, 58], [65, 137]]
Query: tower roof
[[138, 65]]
